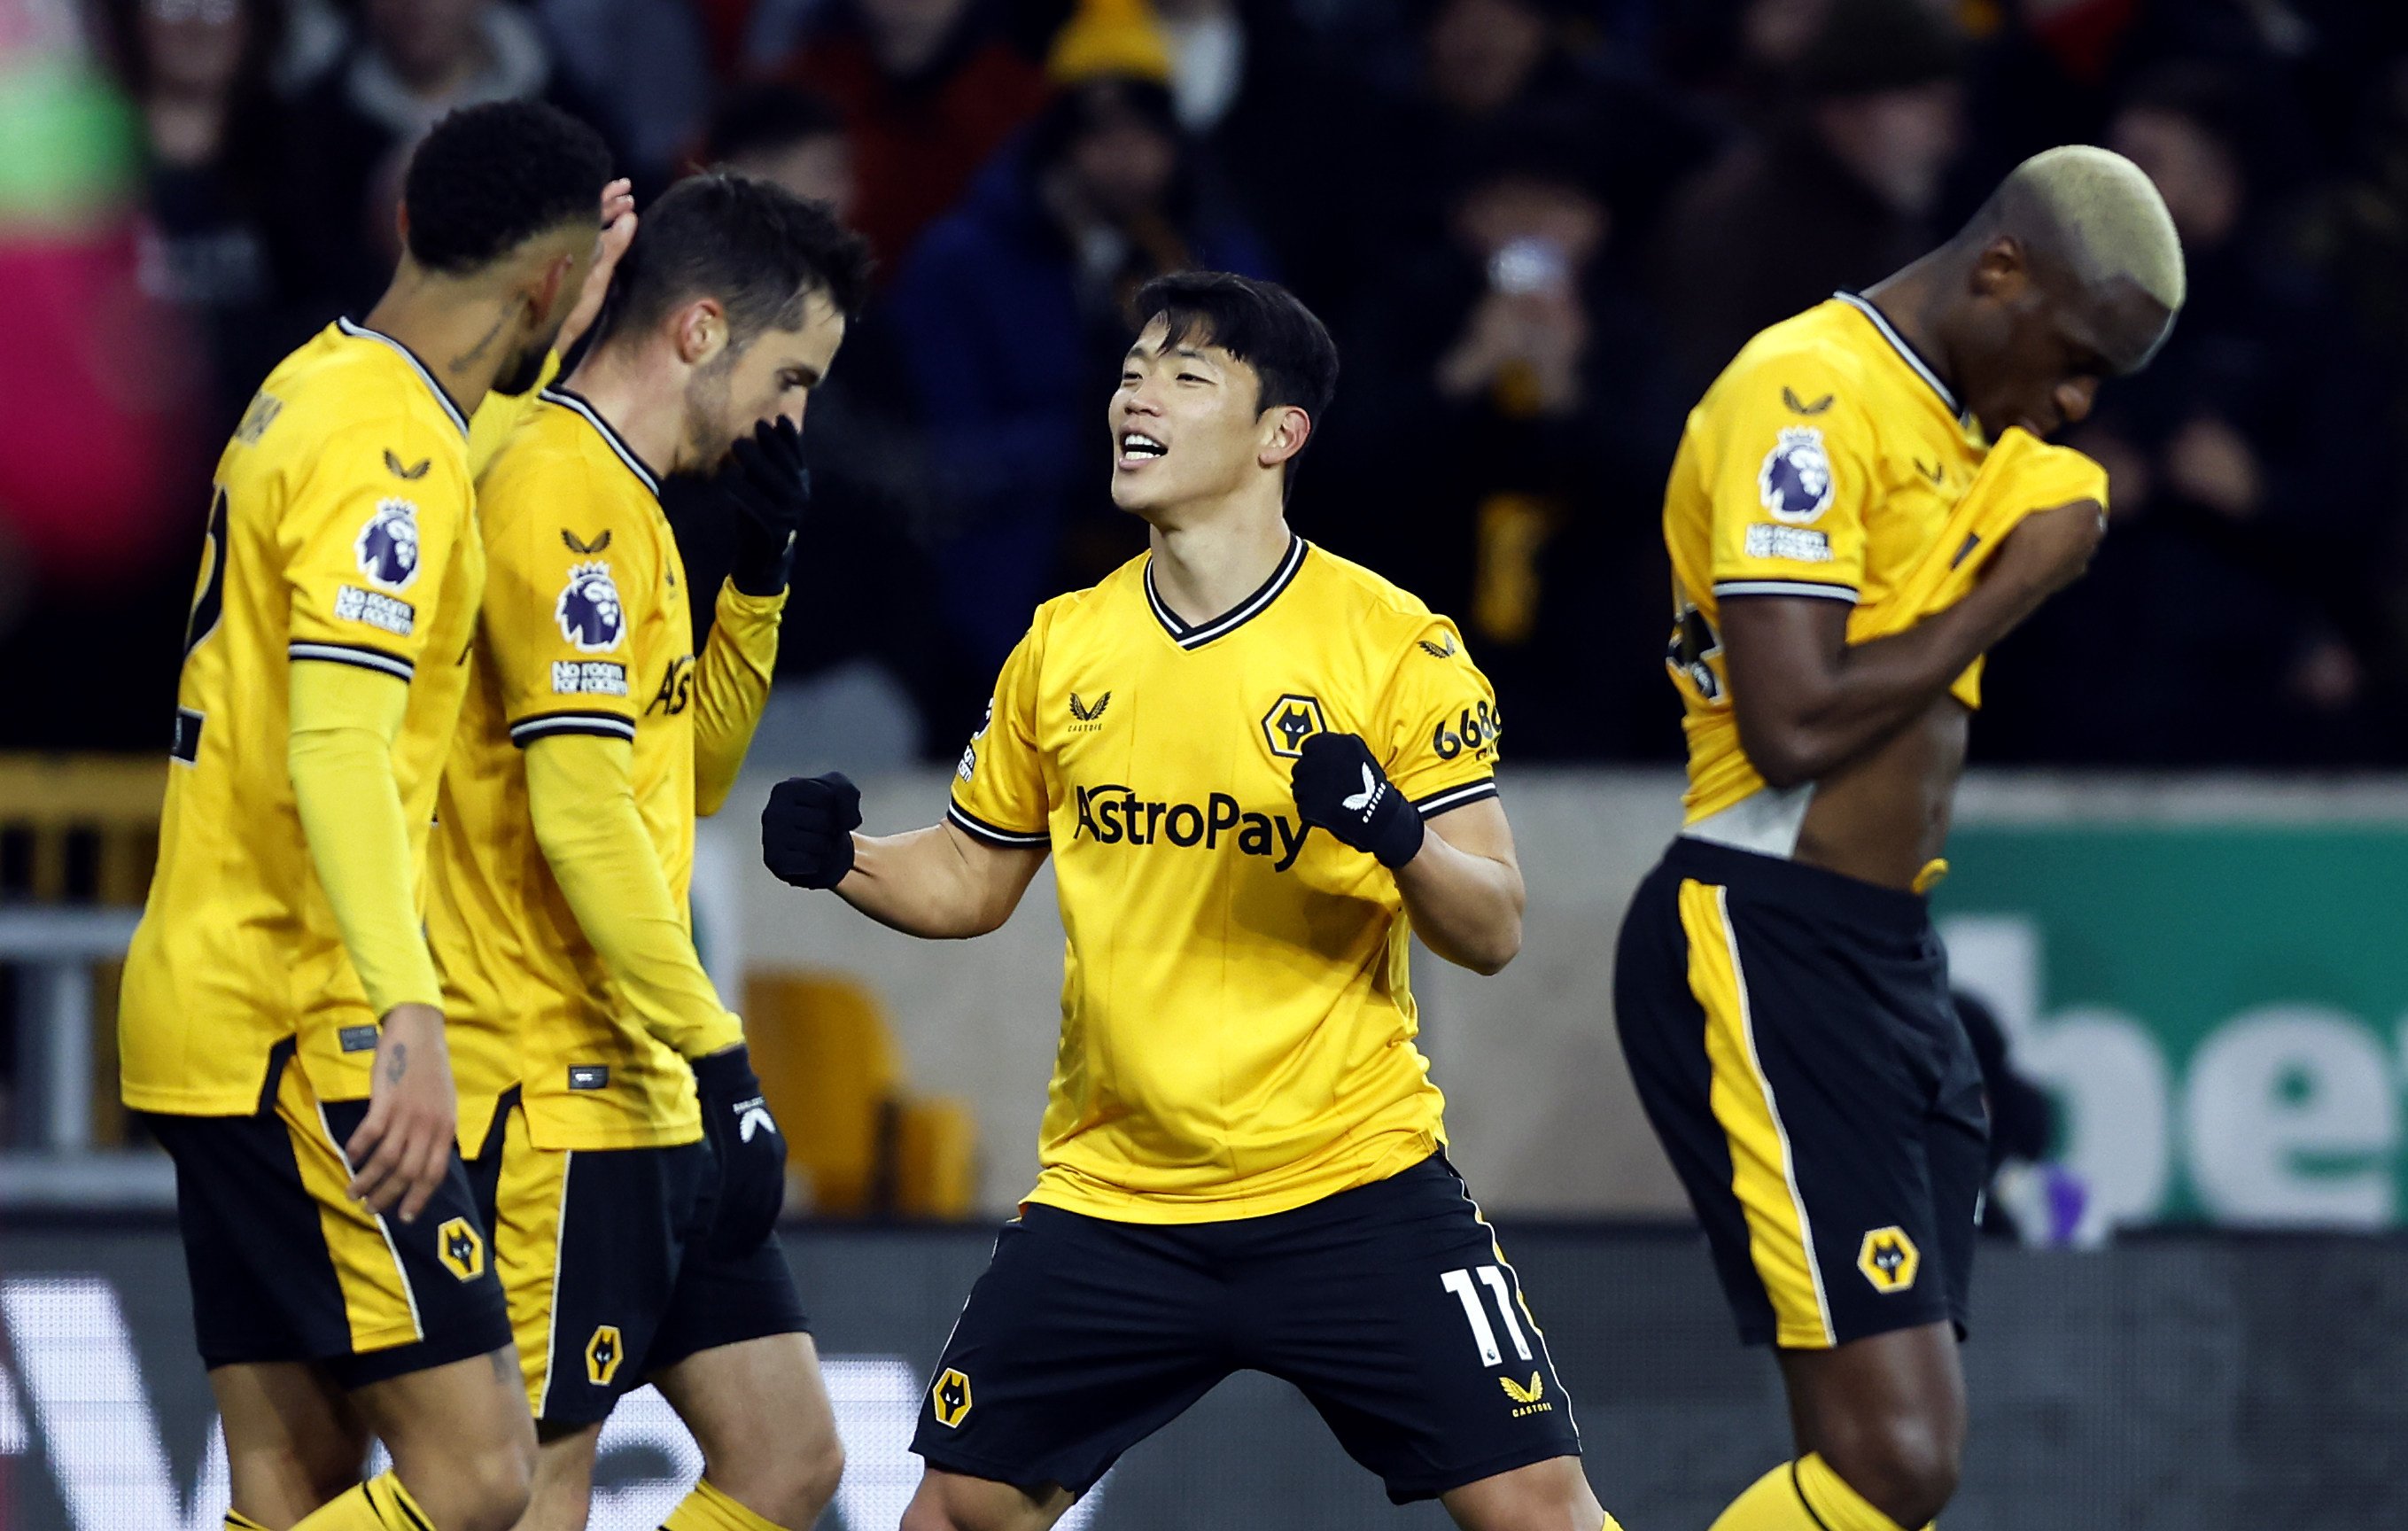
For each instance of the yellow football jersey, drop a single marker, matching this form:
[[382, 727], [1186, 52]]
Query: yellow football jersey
[[585, 630], [1237, 1027], [1821, 463], [342, 531], [499, 418]]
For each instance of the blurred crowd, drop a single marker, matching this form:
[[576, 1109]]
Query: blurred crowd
[[1537, 227]]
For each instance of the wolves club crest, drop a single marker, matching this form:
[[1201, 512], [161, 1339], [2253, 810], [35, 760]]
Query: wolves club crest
[[589, 610], [387, 546], [1794, 482]]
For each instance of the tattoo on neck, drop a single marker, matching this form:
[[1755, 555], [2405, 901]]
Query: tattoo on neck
[[478, 350]]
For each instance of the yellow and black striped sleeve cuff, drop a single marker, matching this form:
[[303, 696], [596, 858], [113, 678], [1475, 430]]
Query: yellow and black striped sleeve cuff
[[544, 725], [1001, 839], [353, 653]]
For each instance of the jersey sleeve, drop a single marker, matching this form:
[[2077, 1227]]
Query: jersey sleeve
[[563, 556], [339, 755], [1439, 726], [1791, 473], [999, 786], [364, 539], [731, 685], [581, 798]]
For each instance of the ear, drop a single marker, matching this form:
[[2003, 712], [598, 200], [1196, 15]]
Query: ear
[[544, 293], [1284, 432], [401, 221], [699, 331], [2001, 269]]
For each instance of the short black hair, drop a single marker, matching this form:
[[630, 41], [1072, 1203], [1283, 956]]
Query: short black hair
[[757, 248], [488, 177], [766, 117], [1260, 324]]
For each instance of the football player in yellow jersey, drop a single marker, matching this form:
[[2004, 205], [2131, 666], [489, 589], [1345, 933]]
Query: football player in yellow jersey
[[279, 1019], [280, 1026], [1260, 771], [629, 1168], [1860, 508]]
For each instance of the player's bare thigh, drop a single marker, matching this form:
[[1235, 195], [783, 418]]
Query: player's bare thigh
[[952, 1501], [1550, 1496], [761, 1415], [292, 1440]]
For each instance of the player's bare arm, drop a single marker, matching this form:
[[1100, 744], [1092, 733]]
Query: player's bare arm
[[1456, 871], [1809, 702], [1464, 891], [936, 884]]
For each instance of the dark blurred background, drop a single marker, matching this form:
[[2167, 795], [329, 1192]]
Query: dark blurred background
[[1538, 228]]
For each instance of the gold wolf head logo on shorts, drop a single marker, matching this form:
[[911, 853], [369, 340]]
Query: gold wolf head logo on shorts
[[603, 1353], [950, 1397], [460, 1248], [1888, 1259]]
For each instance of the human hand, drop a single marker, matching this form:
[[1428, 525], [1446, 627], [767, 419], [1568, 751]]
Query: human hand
[[807, 829], [402, 1149], [618, 231], [750, 1150], [2050, 548], [1341, 788], [764, 482]]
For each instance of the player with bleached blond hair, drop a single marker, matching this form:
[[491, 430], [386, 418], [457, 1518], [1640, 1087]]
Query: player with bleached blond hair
[[1862, 504]]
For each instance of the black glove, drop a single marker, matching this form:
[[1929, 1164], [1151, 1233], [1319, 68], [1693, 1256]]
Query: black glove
[[751, 1150], [765, 481], [1341, 789], [807, 829]]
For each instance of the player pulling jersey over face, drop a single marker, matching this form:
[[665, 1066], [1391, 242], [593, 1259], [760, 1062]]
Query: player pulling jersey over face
[[1259, 769], [1860, 509]]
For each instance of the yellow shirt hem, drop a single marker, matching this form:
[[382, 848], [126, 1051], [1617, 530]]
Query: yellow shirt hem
[[1076, 1191]]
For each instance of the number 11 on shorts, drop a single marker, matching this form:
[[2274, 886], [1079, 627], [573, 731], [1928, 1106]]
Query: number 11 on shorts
[[1459, 1282]]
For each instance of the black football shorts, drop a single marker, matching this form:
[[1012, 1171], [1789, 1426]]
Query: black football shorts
[[1389, 1306], [285, 1266], [610, 1277], [1790, 1034]]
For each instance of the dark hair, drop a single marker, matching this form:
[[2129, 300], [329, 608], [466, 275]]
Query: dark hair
[[757, 248], [1260, 324], [488, 177], [766, 117]]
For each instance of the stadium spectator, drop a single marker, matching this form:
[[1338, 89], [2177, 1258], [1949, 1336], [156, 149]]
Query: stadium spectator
[[2232, 615], [1503, 448], [645, 67], [871, 508], [198, 73], [929, 89], [1013, 317], [92, 373], [788, 135], [350, 132], [1838, 188]]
